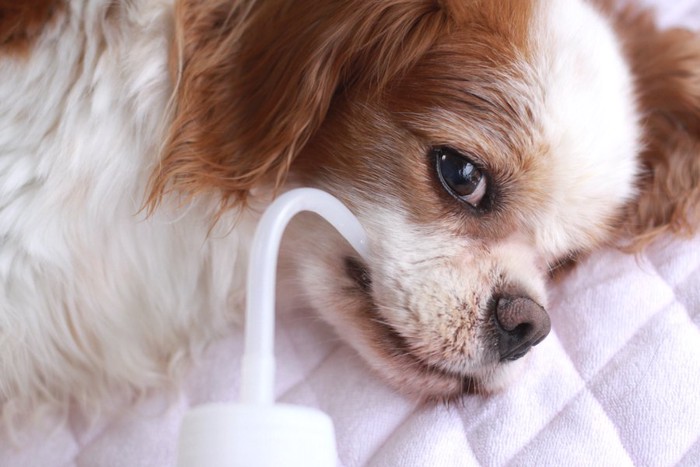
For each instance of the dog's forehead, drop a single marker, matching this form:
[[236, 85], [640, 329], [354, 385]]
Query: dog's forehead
[[552, 117], [588, 122]]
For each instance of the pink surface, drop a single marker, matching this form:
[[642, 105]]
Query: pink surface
[[616, 383]]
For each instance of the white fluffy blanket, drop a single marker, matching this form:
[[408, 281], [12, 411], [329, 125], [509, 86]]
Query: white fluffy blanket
[[617, 382]]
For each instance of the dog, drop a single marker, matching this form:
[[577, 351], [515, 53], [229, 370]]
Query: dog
[[481, 144]]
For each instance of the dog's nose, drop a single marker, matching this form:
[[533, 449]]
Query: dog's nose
[[521, 323]]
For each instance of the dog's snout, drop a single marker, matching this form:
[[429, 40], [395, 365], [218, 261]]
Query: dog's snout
[[521, 323]]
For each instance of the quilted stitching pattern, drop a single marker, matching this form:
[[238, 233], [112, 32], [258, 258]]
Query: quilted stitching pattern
[[616, 383]]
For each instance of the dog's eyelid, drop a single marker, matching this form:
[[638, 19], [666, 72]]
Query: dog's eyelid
[[471, 154]]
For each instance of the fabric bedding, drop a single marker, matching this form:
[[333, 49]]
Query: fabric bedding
[[617, 382]]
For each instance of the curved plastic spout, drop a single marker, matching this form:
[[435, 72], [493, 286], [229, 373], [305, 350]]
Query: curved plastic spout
[[257, 381], [256, 431]]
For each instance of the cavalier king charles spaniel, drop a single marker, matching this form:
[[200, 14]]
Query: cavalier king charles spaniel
[[481, 143]]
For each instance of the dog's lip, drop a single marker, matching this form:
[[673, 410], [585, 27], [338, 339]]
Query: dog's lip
[[359, 273], [402, 351], [399, 351], [392, 346]]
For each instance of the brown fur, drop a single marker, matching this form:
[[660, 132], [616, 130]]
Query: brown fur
[[453, 96], [256, 79], [248, 102], [666, 64], [22, 21]]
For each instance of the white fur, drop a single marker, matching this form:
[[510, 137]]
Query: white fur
[[589, 122], [93, 293]]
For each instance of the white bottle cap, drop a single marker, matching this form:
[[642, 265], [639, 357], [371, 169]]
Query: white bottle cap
[[218, 435], [257, 432]]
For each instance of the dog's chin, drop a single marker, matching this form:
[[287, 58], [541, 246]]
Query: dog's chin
[[388, 353]]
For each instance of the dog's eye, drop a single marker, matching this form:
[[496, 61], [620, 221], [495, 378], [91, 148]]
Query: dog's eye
[[460, 176]]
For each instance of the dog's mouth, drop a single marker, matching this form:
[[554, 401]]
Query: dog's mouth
[[412, 374]]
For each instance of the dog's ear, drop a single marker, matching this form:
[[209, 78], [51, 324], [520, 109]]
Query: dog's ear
[[22, 22], [255, 79], [666, 67]]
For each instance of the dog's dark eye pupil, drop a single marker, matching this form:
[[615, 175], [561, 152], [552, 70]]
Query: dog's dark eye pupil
[[460, 176]]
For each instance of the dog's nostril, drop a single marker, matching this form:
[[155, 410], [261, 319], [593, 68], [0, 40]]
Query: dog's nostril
[[520, 324]]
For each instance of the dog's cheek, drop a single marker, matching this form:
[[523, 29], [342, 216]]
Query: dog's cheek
[[444, 320], [431, 287]]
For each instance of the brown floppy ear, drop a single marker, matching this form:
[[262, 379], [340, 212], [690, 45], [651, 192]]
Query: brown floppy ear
[[666, 65], [21, 22], [255, 80]]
